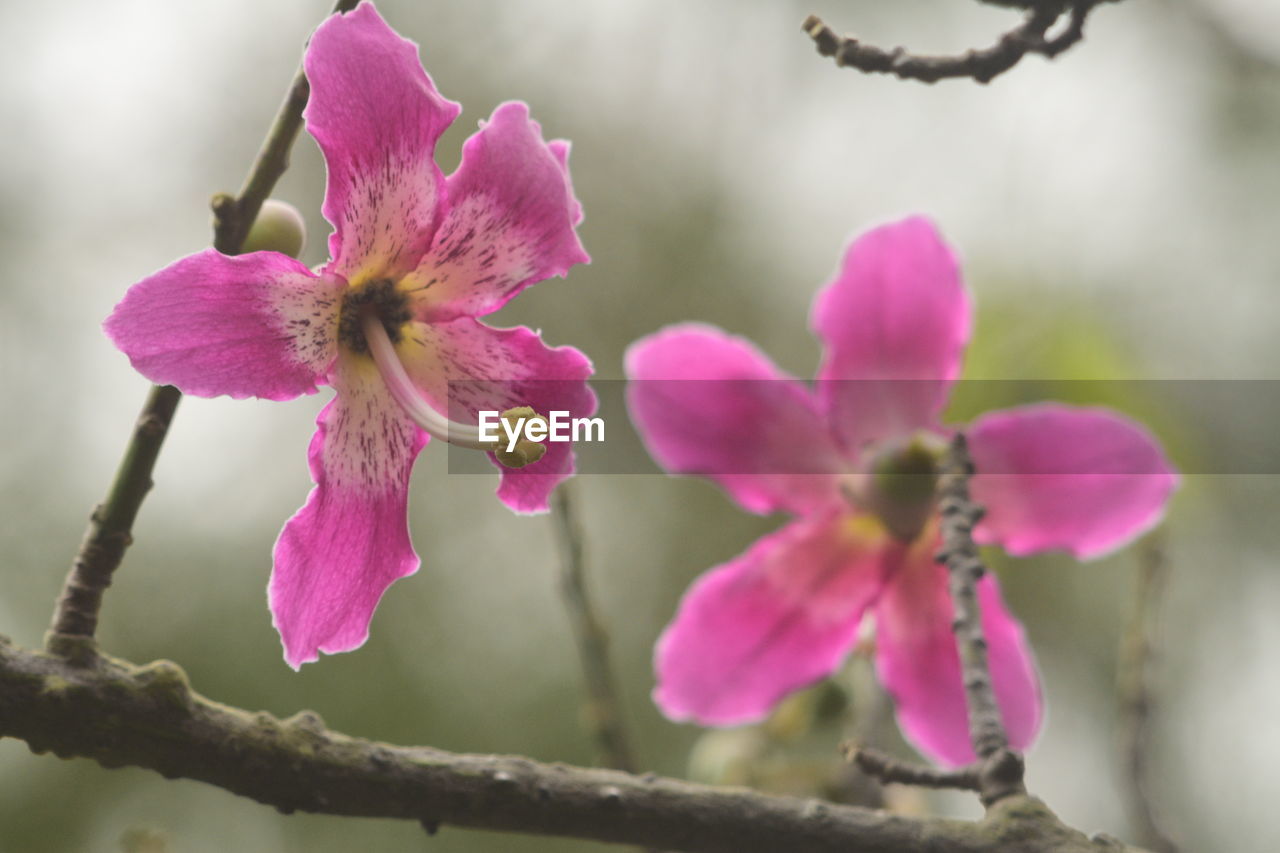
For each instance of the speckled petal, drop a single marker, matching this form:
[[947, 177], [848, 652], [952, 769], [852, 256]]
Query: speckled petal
[[350, 541], [256, 325], [377, 116], [510, 222]]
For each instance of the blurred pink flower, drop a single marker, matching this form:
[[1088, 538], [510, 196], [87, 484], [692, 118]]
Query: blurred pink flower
[[853, 458], [389, 321]]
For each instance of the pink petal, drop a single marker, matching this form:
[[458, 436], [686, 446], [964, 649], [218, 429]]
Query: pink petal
[[339, 553], [465, 366], [773, 620], [377, 116], [256, 325], [510, 223], [917, 661], [711, 404], [560, 150], [894, 321], [1053, 476]]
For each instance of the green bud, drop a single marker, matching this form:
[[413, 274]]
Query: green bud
[[278, 228], [527, 451]]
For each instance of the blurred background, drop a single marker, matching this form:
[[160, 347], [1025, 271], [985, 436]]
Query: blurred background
[[1116, 212]]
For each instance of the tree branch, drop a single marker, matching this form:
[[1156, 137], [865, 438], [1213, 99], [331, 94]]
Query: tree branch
[[75, 617], [982, 65], [603, 713], [147, 716]]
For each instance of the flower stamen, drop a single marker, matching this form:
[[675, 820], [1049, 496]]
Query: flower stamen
[[406, 394], [523, 451]]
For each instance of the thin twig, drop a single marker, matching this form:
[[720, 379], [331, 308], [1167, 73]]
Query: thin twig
[[870, 710], [603, 710], [148, 716], [1002, 768], [886, 768], [998, 772], [75, 617], [1137, 699], [982, 65]]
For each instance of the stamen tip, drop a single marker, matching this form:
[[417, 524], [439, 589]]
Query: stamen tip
[[527, 449]]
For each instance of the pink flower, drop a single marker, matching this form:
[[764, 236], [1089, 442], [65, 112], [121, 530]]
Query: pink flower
[[389, 321], [854, 459]]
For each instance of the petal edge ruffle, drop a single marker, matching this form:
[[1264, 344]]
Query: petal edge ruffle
[[511, 221]]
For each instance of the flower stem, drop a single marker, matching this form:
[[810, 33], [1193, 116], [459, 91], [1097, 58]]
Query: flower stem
[[1001, 769], [602, 712], [1137, 697], [75, 617]]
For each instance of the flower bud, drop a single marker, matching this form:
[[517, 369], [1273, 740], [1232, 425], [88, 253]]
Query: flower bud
[[278, 228], [526, 450]]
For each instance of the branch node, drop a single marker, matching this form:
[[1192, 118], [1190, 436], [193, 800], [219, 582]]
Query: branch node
[[166, 681], [307, 721], [815, 810], [225, 212], [76, 649], [1001, 776]]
